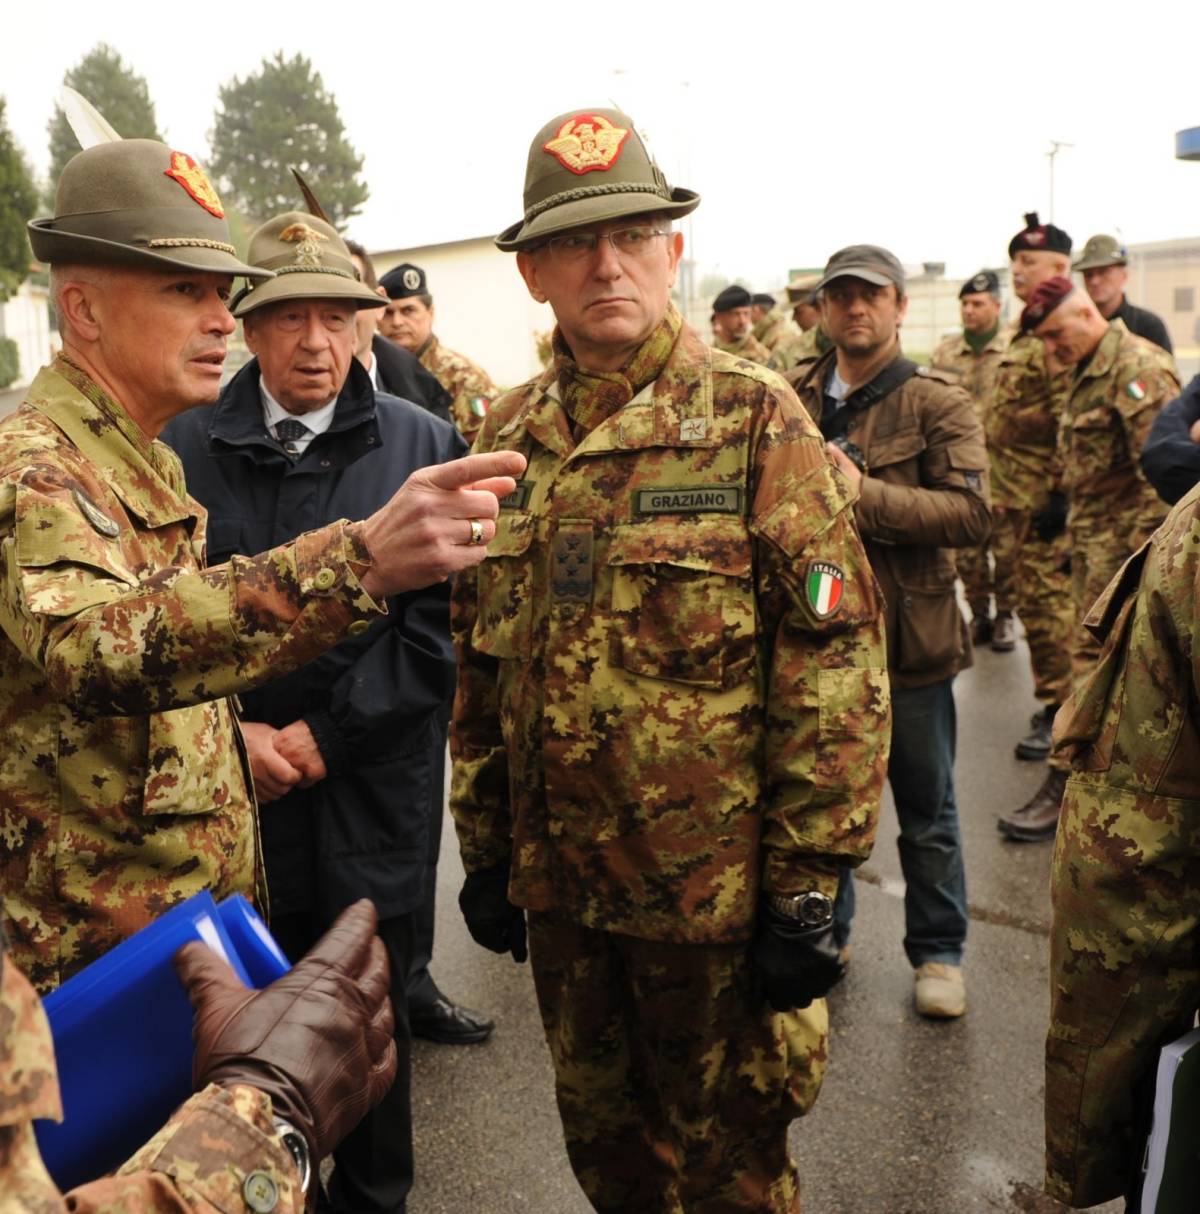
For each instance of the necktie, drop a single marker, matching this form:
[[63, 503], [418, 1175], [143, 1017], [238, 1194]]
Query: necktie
[[290, 432]]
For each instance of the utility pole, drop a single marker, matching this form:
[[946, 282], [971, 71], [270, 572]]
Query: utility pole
[[1056, 145]]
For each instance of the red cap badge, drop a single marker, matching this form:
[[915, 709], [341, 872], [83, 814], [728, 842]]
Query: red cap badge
[[587, 142], [193, 179]]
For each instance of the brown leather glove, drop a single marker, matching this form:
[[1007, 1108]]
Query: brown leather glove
[[318, 1040]]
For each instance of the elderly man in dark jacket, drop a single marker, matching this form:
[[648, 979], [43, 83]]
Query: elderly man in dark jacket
[[347, 750]]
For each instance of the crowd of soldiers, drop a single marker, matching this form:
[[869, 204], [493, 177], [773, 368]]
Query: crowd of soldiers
[[681, 611]]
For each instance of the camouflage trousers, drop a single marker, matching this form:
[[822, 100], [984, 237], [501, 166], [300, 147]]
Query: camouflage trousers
[[1040, 589], [1096, 557], [976, 574], [675, 1084]]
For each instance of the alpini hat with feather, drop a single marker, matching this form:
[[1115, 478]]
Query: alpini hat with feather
[[308, 259], [588, 166], [140, 203]]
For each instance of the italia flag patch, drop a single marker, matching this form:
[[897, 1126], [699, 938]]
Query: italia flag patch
[[479, 406], [1137, 389], [824, 586]]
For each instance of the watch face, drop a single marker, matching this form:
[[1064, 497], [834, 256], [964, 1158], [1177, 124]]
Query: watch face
[[815, 910]]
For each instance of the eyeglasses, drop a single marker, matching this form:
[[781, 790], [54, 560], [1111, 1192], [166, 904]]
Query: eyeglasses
[[628, 242]]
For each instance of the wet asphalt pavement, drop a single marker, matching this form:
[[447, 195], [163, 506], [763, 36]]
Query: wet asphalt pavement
[[915, 1117]]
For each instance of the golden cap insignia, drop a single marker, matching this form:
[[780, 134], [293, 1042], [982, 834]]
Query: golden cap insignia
[[94, 515], [307, 240], [587, 142], [193, 179]]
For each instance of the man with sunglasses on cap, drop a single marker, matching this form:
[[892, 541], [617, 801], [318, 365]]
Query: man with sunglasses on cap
[[669, 730], [348, 751], [125, 781]]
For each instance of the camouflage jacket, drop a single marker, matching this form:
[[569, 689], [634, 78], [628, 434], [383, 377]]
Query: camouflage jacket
[[200, 1161], [925, 493], [1114, 401], [975, 372], [1022, 425], [790, 353], [749, 348], [1125, 883], [774, 328], [469, 385], [123, 786], [671, 684]]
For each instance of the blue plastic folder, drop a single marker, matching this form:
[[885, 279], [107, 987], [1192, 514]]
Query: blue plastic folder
[[123, 1034]]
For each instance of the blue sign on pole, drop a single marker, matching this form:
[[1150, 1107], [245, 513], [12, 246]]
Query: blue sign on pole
[[1187, 144]]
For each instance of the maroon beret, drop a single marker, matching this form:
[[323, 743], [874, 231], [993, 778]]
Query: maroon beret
[[1045, 298], [1039, 237]]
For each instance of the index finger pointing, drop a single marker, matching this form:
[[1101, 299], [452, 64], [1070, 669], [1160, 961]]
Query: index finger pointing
[[481, 466]]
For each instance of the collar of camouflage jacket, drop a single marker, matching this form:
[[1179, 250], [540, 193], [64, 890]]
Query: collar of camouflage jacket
[[145, 475], [590, 397], [675, 410], [1104, 356]]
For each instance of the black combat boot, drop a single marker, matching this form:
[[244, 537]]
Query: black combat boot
[[1037, 819], [1036, 743], [981, 626], [1004, 632]]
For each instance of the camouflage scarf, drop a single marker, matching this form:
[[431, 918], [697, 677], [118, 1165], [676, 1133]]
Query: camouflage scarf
[[591, 396]]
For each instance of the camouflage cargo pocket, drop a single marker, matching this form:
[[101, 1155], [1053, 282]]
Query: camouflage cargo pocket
[[503, 623], [683, 601], [186, 750]]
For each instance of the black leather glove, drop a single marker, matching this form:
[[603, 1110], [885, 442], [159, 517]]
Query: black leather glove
[[1051, 522], [794, 964], [491, 918]]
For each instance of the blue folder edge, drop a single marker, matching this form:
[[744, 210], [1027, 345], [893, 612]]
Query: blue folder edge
[[122, 1033]]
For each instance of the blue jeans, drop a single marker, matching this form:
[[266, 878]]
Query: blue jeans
[[921, 772]]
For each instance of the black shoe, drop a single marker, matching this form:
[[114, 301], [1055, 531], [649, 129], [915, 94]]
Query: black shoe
[[1036, 744], [449, 1023], [1004, 633], [981, 628], [1037, 819]]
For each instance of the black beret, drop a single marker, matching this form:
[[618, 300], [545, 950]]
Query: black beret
[[732, 297], [1039, 237], [763, 299], [983, 283], [403, 281]]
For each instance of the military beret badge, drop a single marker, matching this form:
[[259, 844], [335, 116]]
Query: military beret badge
[[195, 181], [587, 142]]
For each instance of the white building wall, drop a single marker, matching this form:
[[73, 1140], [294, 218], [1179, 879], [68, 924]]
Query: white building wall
[[481, 306], [25, 318]]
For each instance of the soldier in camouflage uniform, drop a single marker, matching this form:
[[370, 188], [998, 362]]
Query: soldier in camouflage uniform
[[231, 1147], [771, 326], [973, 359], [811, 341], [672, 707], [124, 784], [1029, 513], [408, 321], [732, 326], [1125, 883]]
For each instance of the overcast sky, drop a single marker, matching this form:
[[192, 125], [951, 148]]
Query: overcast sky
[[922, 126]]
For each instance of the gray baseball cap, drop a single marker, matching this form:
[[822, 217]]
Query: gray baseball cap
[[866, 261]]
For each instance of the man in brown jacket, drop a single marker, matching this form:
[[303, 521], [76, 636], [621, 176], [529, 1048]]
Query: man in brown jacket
[[909, 441]]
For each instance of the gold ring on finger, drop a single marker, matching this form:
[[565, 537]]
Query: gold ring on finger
[[476, 531]]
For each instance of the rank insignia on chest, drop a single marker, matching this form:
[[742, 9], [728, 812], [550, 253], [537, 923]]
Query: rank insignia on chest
[[824, 586], [94, 515], [693, 429], [518, 499], [1137, 389], [571, 564], [587, 142]]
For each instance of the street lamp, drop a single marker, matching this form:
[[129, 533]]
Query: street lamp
[[1056, 145]]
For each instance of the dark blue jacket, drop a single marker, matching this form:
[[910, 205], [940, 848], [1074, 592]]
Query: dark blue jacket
[[373, 701], [1170, 459]]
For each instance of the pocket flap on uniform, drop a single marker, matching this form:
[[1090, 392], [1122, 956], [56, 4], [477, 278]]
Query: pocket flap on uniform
[[53, 531], [514, 533], [710, 543], [896, 447]]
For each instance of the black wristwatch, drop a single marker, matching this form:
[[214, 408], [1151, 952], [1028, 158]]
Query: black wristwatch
[[810, 909], [297, 1146]]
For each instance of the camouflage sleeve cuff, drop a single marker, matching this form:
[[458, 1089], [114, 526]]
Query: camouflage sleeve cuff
[[789, 874], [326, 562], [218, 1142]]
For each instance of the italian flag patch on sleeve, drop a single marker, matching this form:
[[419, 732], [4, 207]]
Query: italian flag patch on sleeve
[[1136, 388], [824, 586]]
